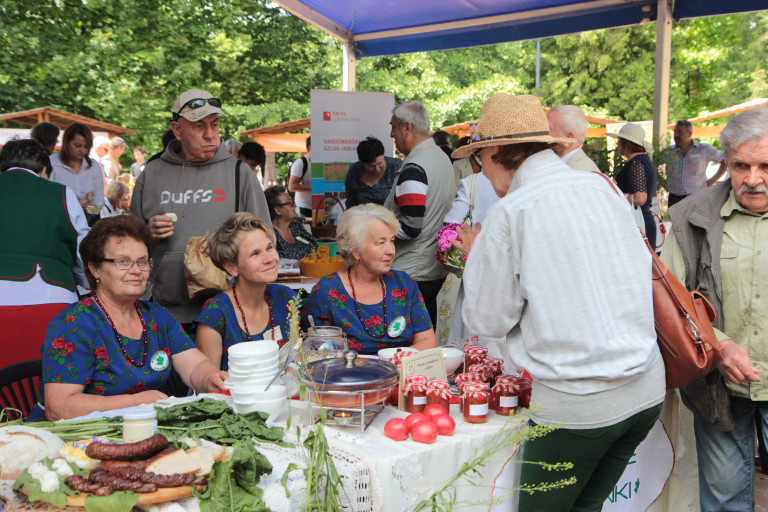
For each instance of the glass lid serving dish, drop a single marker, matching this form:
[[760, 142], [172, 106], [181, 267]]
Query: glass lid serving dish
[[349, 381]]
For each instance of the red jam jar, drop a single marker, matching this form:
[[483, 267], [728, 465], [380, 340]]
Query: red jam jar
[[505, 393], [439, 392], [415, 393], [497, 366], [483, 369], [474, 354], [462, 387], [475, 403], [524, 394]]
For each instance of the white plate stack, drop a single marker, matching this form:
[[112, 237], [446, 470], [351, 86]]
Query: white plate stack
[[252, 364]]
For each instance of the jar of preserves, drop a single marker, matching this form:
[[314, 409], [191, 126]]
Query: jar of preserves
[[524, 393], [415, 393], [439, 392], [497, 366], [481, 369], [474, 354], [504, 395], [475, 403], [484, 385]]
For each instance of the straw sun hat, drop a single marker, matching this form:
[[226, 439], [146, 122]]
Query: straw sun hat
[[508, 119], [633, 133]]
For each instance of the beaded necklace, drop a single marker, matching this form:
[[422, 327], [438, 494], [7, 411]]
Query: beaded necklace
[[357, 307], [242, 313], [119, 337]]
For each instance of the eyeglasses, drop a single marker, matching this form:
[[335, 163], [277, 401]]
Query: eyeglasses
[[196, 103], [292, 203], [476, 157], [127, 264]]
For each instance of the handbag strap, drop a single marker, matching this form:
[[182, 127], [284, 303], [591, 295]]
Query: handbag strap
[[237, 186], [471, 187]]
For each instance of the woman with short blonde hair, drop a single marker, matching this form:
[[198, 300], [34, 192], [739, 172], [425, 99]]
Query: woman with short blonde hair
[[254, 308], [375, 306]]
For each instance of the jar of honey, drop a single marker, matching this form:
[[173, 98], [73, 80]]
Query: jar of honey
[[415, 393], [439, 392], [475, 403]]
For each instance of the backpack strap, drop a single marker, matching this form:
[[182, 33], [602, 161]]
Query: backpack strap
[[304, 166], [237, 185]]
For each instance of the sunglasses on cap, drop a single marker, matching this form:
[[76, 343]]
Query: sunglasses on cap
[[196, 103]]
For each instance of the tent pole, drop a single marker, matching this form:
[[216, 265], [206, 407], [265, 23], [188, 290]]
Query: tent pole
[[663, 58], [350, 66]]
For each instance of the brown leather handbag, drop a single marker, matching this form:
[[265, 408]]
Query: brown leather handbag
[[684, 330], [683, 322]]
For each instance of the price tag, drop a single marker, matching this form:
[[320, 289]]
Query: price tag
[[427, 362], [268, 334]]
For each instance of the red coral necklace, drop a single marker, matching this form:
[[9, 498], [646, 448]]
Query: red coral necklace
[[357, 307], [242, 313], [119, 337]]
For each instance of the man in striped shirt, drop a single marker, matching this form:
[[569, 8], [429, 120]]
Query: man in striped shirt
[[420, 198]]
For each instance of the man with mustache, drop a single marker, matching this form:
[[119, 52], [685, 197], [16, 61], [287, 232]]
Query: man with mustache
[[716, 247], [687, 162]]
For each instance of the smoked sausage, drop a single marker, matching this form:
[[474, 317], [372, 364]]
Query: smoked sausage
[[127, 451]]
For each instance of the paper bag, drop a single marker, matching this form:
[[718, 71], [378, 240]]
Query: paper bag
[[203, 277]]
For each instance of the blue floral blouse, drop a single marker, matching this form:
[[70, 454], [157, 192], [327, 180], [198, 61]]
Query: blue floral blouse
[[80, 348], [330, 304], [219, 314]]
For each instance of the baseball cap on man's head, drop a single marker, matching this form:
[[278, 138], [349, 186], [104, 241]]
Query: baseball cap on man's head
[[195, 104]]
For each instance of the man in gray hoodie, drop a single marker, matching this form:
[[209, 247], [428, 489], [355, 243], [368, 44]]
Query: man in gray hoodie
[[190, 190]]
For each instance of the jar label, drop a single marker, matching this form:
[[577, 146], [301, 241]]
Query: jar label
[[508, 401], [478, 409], [419, 400]]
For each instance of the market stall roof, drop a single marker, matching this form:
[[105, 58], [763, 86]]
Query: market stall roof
[[276, 138], [712, 131], [390, 27], [62, 119]]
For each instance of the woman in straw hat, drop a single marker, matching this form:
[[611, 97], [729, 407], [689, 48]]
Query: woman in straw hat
[[556, 271], [637, 178]]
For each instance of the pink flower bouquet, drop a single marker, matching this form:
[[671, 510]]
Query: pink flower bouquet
[[453, 258]]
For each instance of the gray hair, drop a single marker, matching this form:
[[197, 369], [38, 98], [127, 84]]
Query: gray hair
[[115, 190], [101, 141], [749, 126], [353, 227], [233, 146], [224, 243], [684, 123], [572, 119], [413, 112]]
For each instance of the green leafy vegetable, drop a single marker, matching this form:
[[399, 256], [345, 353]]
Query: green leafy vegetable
[[119, 501], [216, 421], [32, 488], [232, 484]]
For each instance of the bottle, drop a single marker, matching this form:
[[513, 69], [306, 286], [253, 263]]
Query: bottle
[[139, 425]]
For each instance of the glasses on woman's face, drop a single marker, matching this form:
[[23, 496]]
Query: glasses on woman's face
[[144, 264], [476, 157]]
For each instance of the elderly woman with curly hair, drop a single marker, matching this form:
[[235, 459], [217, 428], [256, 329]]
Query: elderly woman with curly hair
[[376, 307], [112, 350]]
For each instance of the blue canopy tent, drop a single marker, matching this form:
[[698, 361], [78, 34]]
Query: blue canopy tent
[[385, 27]]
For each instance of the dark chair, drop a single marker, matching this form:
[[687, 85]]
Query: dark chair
[[174, 386], [19, 384]]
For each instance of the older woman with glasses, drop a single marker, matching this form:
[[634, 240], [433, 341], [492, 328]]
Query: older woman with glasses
[[112, 350], [292, 240]]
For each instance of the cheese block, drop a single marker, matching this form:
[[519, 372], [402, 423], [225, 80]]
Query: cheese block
[[21, 446]]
